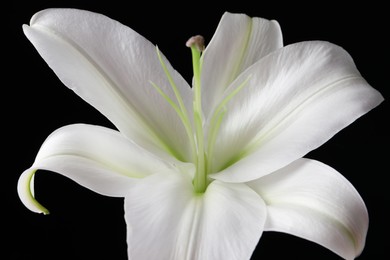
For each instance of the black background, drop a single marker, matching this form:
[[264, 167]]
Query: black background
[[85, 225]]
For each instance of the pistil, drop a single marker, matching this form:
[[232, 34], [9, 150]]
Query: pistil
[[195, 132], [196, 44]]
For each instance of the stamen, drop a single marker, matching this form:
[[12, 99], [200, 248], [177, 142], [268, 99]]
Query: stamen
[[181, 109], [231, 95], [216, 120], [213, 136], [172, 83]]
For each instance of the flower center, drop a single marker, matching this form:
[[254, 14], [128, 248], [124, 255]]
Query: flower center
[[201, 151]]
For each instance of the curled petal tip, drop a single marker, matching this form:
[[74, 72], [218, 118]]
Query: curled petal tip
[[25, 192]]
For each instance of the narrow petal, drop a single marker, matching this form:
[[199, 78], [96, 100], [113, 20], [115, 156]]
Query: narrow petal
[[166, 220], [98, 158], [238, 42], [309, 199], [305, 94], [112, 68]]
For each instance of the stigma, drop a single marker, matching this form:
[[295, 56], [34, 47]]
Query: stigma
[[196, 41]]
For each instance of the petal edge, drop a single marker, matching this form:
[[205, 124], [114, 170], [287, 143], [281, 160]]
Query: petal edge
[[311, 200], [98, 158]]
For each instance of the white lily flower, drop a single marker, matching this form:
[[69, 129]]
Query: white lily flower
[[205, 170]]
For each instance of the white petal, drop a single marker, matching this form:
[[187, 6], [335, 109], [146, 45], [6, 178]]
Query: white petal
[[309, 199], [167, 220], [238, 42], [111, 66], [306, 94], [98, 158]]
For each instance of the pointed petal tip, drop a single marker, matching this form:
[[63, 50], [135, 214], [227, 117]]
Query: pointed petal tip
[[25, 28]]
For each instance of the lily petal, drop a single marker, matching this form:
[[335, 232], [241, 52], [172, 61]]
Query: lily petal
[[170, 221], [311, 200], [238, 42], [112, 68], [98, 158], [295, 100]]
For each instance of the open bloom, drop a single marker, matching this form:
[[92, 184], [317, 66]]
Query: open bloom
[[204, 170]]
